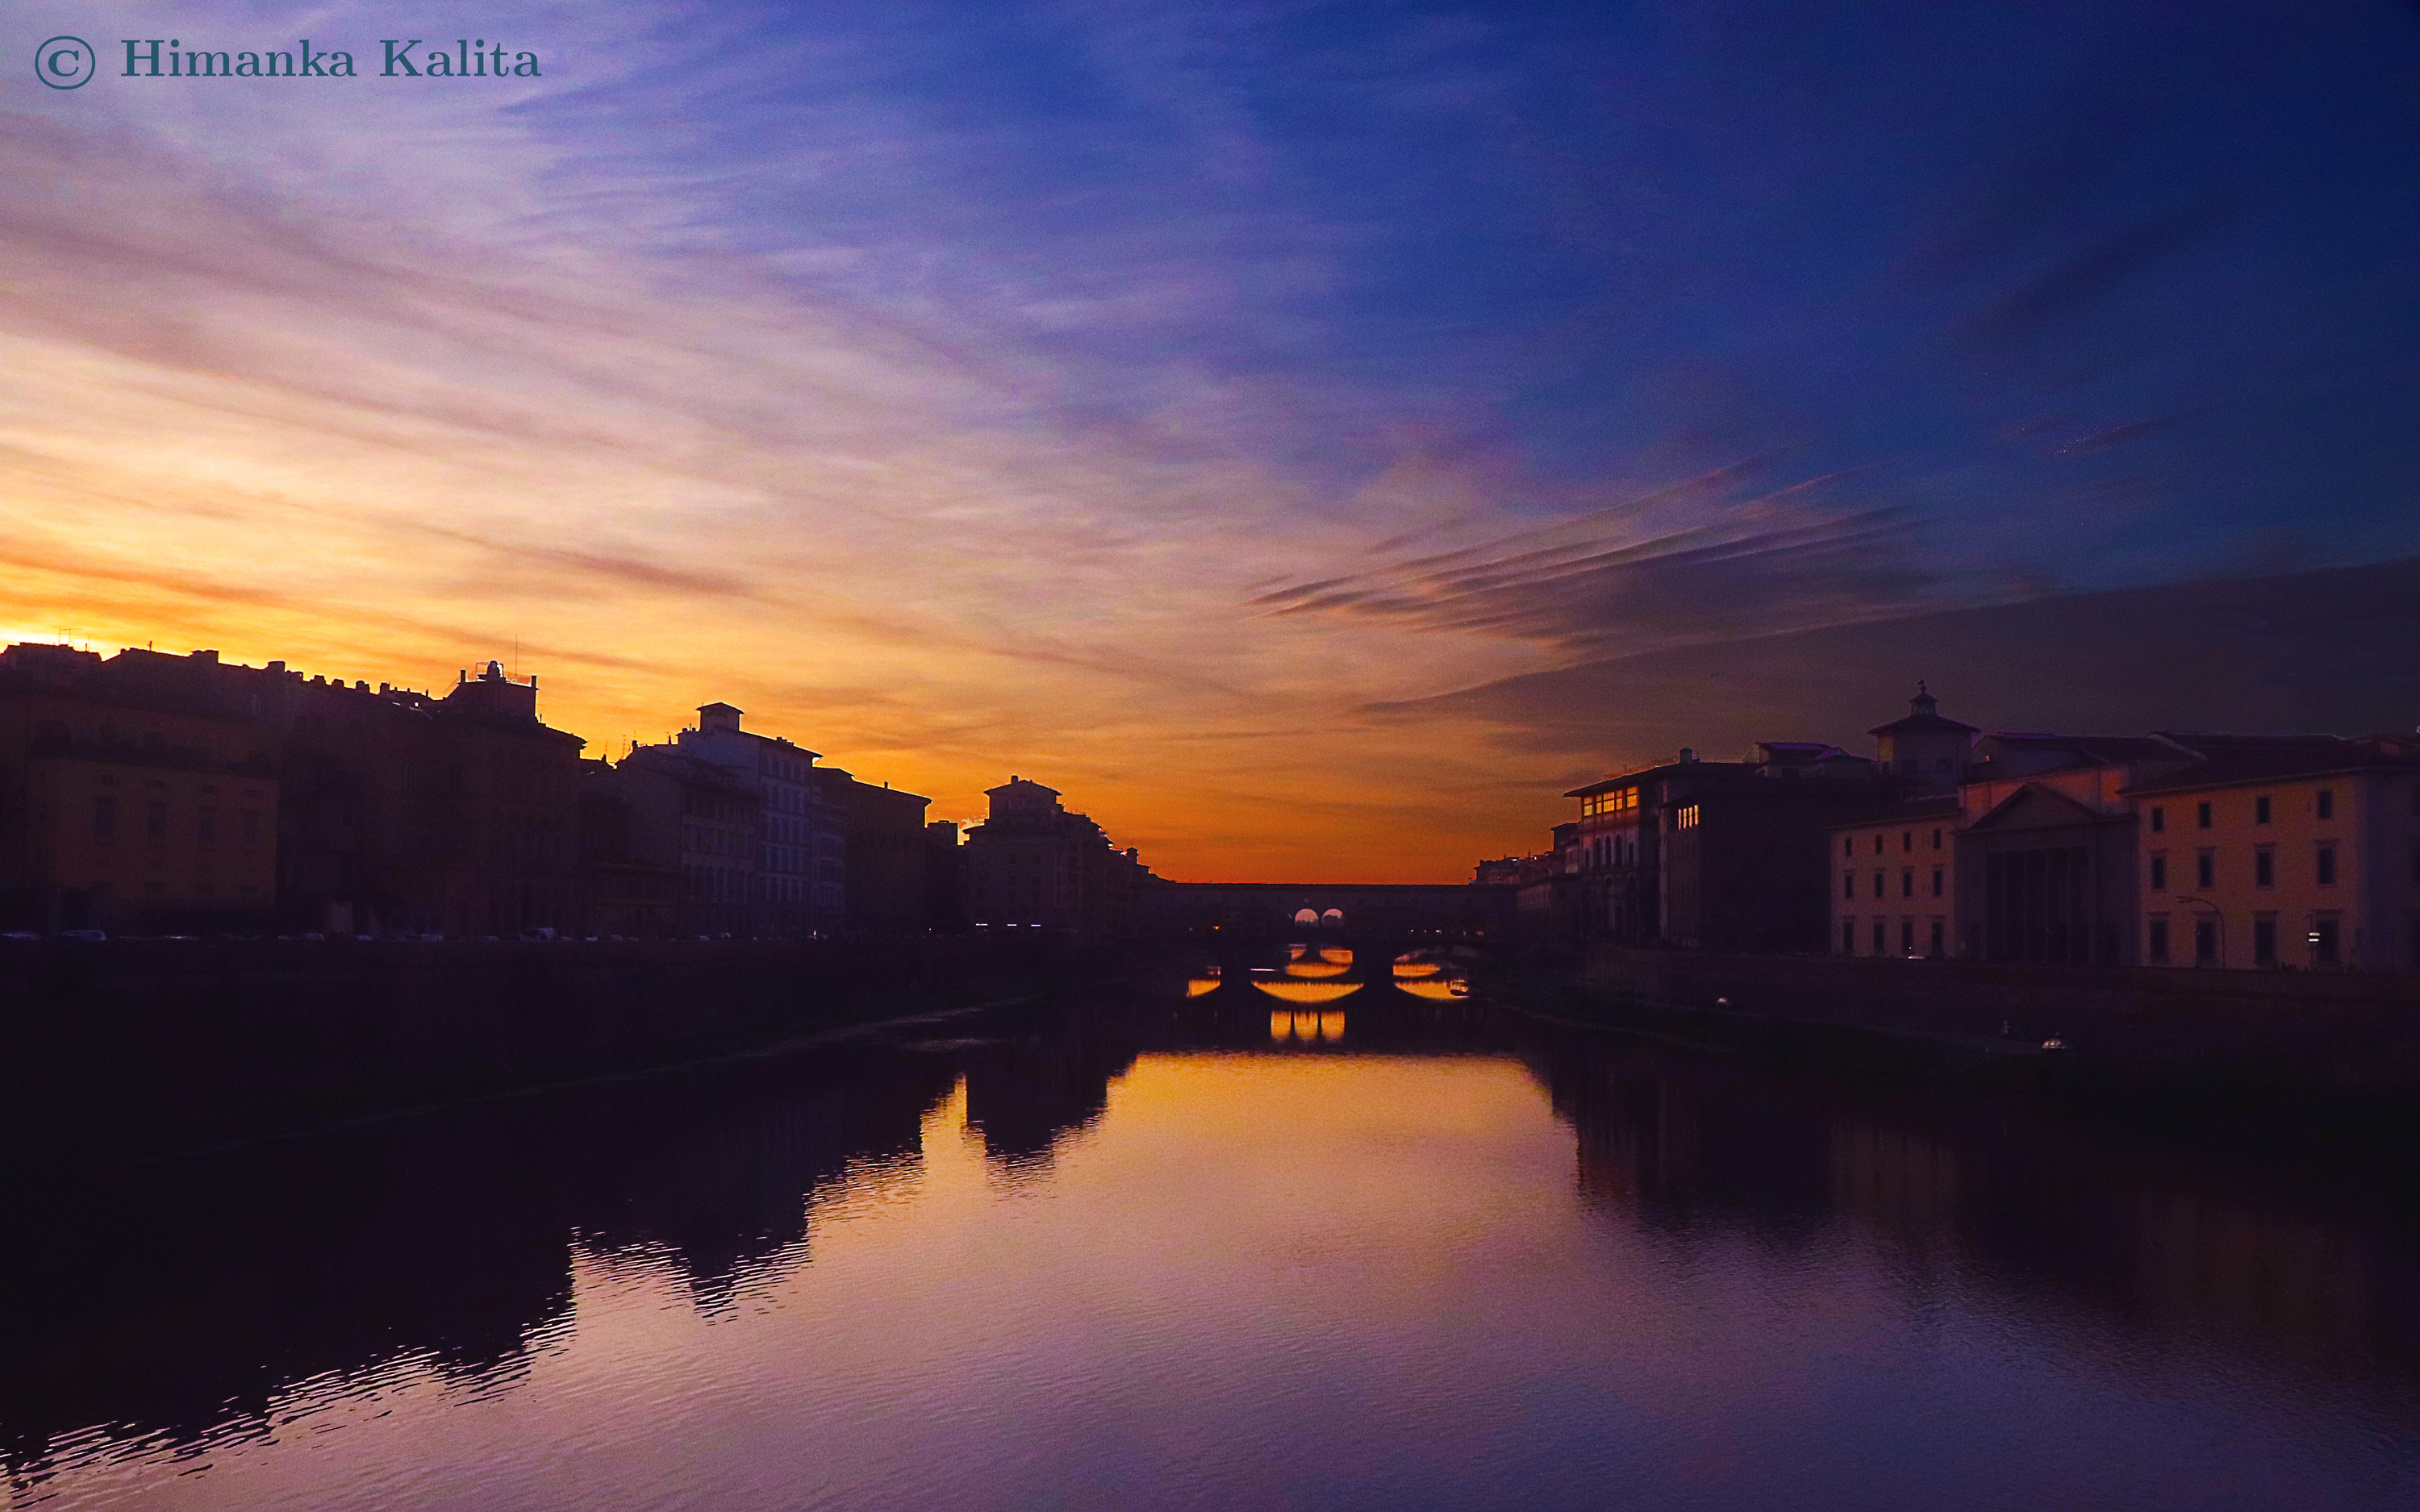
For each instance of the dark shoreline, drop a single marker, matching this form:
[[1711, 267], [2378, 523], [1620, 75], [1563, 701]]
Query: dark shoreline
[[2291, 1117], [134, 1050]]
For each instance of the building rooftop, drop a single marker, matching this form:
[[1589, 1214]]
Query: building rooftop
[[1923, 718], [2235, 761]]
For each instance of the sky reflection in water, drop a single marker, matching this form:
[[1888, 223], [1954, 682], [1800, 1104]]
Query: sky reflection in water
[[1162, 1255]]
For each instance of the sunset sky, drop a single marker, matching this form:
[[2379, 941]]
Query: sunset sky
[[1311, 435]]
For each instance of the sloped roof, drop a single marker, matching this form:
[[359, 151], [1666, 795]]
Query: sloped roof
[[2235, 761]]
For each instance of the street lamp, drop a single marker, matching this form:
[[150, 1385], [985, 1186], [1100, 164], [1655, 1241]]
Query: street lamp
[[2217, 914]]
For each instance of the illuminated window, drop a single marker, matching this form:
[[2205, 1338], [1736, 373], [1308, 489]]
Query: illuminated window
[[1686, 818]]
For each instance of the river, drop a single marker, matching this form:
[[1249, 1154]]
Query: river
[[1288, 1241]]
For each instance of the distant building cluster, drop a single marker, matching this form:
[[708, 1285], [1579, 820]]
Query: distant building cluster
[[152, 792], [2174, 848]]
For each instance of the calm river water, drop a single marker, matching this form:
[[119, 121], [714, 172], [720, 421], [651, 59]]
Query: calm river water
[[1266, 1246]]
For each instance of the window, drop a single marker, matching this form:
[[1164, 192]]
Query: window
[[206, 827], [1878, 844], [2205, 870], [250, 832], [2156, 947], [2324, 935], [1848, 936], [2158, 873], [2327, 803], [2264, 939], [1907, 882], [155, 822], [1907, 937], [2201, 816], [1940, 929], [1882, 885], [1848, 883], [1906, 840], [2264, 868], [1686, 818], [2327, 866], [2205, 942], [2260, 810], [104, 819], [2159, 820], [1936, 840], [1878, 936], [1938, 880], [1848, 846]]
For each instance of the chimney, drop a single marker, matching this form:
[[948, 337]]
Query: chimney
[[206, 656], [1688, 753]]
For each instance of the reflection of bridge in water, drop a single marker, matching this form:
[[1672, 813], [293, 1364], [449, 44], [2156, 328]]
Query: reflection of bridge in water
[[1306, 989]]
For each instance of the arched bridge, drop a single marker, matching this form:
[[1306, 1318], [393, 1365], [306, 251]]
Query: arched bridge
[[1172, 910]]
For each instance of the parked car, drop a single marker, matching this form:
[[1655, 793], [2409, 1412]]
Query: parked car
[[83, 934]]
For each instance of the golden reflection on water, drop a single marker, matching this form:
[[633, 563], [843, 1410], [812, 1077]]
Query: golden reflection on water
[[1336, 955], [1307, 1026], [1436, 991], [1307, 991], [1195, 986], [1417, 968], [1314, 968]]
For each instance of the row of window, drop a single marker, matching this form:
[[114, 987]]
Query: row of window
[[1906, 842], [2264, 809], [1621, 800], [1936, 936], [156, 824], [1906, 883], [2264, 867]]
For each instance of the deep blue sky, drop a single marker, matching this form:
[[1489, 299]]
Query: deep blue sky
[[2138, 278]]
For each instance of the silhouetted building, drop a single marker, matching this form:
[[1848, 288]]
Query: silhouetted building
[[1718, 856], [886, 851], [945, 907], [1033, 865], [1925, 748], [801, 878], [699, 820], [629, 888], [396, 811], [124, 807]]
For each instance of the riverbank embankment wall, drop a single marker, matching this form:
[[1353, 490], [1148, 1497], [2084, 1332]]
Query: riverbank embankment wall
[[126, 1045], [2341, 1030]]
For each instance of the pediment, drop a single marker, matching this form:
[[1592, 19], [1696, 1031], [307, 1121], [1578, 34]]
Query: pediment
[[2035, 807]]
